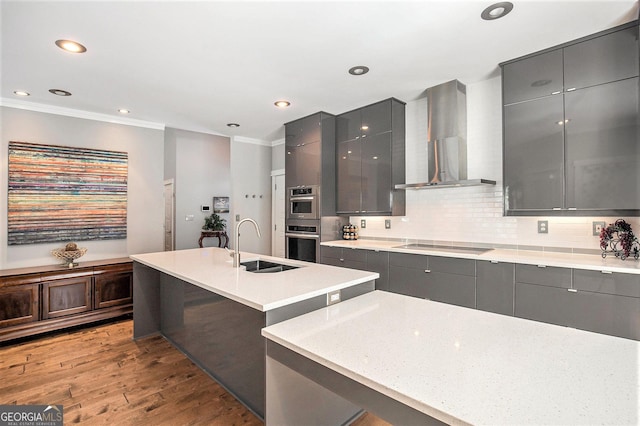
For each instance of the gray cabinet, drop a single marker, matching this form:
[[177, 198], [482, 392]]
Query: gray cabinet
[[495, 287], [370, 159], [366, 260], [378, 261], [602, 140], [443, 279], [310, 156], [533, 155], [571, 128], [345, 257]]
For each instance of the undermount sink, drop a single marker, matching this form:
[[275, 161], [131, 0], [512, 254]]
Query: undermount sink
[[266, 267], [466, 250]]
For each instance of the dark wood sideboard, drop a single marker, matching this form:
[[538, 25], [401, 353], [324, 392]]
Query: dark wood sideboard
[[46, 298]]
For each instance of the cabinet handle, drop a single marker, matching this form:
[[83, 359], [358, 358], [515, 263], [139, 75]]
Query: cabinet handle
[[494, 261], [427, 270], [572, 290], [571, 90], [542, 266], [572, 208], [557, 92], [557, 208], [607, 272], [341, 260]]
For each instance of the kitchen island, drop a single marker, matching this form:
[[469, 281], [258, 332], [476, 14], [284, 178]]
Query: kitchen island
[[214, 312], [433, 363]]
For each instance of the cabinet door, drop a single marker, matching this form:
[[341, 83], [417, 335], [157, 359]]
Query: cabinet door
[[302, 163], [66, 297], [349, 173], [19, 304], [348, 126], [378, 261], [495, 287], [113, 289], [303, 131], [602, 139], [407, 274], [600, 313], [601, 60], [376, 181], [606, 282], [451, 288], [376, 119], [532, 78], [533, 154], [548, 276]]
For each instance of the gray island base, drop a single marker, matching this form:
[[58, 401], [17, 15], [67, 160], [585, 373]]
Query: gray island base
[[214, 313]]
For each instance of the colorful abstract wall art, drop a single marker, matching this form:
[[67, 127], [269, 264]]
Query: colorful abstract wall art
[[60, 193]]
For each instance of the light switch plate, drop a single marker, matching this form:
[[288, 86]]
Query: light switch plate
[[597, 227], [387, 224], [543, 227], [363, 223], [237, 218], [188, 217]]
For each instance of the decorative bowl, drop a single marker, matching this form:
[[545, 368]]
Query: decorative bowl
[[68, 256]]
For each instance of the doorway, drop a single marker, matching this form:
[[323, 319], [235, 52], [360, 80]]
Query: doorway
[[169, 208]]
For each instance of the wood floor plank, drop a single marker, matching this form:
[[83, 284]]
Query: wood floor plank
[[102, 377]]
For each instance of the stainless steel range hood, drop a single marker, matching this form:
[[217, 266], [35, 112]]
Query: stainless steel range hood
[[447, 139]]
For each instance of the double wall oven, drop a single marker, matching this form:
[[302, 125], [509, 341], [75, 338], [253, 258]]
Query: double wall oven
[[303, 223]]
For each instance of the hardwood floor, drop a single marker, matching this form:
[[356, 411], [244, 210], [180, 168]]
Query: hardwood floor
[[101, 376]]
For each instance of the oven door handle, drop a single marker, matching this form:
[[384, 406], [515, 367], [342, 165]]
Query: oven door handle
[[302, 235], [296, 198]]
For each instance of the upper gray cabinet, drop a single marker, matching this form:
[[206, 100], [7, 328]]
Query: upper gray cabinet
[[370, 159], [310, 151], [572, 128], [534, 77]]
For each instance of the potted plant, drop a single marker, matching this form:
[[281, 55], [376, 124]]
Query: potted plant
[[214, 223]]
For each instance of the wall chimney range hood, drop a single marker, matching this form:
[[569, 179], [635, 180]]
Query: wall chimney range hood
[[447, 139]]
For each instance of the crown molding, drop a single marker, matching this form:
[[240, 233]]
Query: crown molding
[[76, 113], [252, 141]]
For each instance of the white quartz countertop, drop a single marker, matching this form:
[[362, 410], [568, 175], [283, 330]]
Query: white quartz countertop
[[531, 257], [464, 366], [211, 268]]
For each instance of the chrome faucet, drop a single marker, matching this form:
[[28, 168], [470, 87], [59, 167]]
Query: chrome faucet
[[236, 252]]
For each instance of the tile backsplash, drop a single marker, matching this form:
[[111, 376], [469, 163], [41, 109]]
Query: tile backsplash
[[474, 214]]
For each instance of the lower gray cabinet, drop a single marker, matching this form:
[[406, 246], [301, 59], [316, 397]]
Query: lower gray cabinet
[[452, 281], [407, 274], [443, 279], [602, 313], [344, 257], [378, 261], [495, 287]]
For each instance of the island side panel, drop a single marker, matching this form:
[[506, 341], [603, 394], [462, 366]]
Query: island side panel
[[219, 335], [146, 305], [287, 369]]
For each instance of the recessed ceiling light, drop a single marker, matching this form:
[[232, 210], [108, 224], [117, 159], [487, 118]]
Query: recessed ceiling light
[[282, 104], [358, 70], [497, 10], [124, 111], [59, 92], [233, 125], [21, 93], [71, 46]]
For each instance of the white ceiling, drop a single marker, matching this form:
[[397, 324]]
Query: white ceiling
[[200, 65]]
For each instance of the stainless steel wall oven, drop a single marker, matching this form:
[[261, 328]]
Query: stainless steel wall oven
[[303, 202], [303, 240]]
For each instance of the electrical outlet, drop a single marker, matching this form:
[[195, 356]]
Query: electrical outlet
[[188, 217], [543, 227], [363, 223], [597, 227], [237, 218], [333, 297], [387, 224]]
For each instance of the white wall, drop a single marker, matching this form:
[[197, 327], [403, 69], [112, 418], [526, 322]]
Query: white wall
[[251, 175], [145, 182], [199, 163], [474, 214]]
